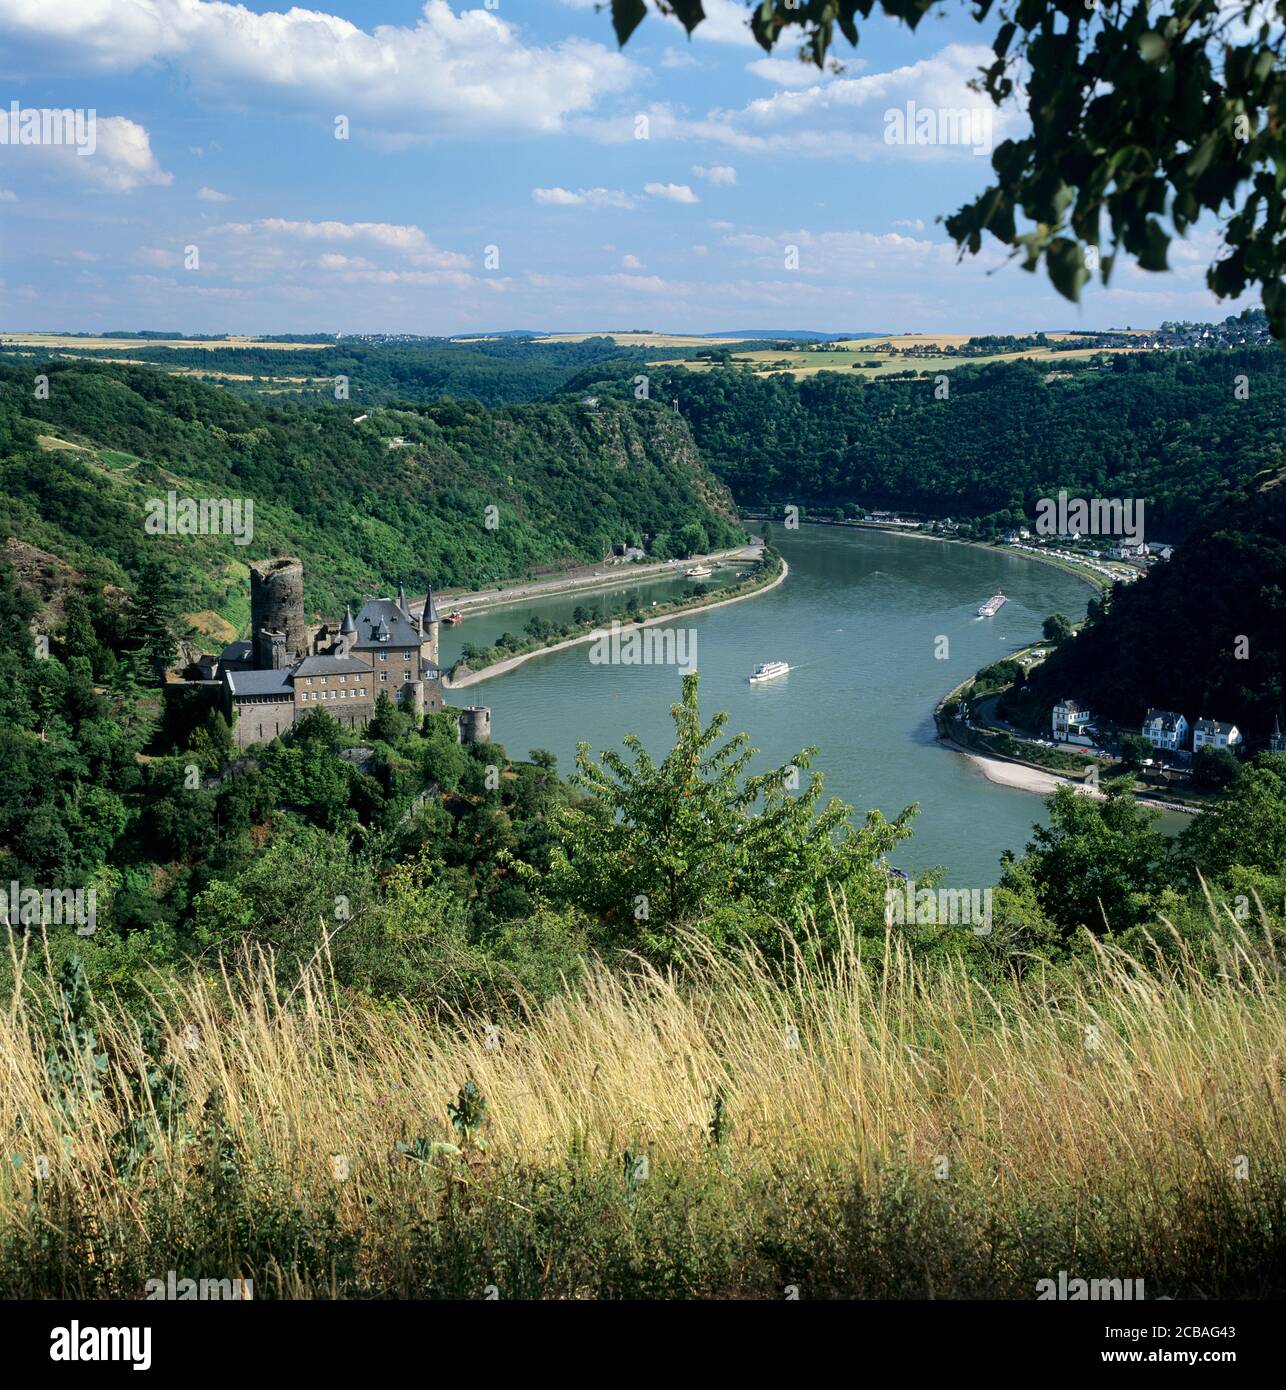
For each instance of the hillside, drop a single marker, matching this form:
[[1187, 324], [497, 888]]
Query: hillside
[[1172, 640], [400, 496], [1171, 428]]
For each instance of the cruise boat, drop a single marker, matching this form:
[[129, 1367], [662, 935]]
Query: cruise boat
[[698, 572], [993, 606], [768, 670], [454, 617]]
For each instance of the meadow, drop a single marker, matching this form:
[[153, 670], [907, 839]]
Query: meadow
[[874, 1128]]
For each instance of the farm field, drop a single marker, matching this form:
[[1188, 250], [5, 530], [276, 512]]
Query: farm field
[[67, 340], [837, 358]]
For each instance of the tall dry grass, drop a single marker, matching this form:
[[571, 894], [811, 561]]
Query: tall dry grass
[[1136, 1108]]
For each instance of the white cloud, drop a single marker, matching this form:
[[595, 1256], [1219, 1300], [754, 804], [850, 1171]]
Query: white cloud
[[408, 241], [7, 195], [671, 192], [631, 262], [117, 156], [914, 224], [676, 58], [787, 72], [583, 197], [726, 21], [469, 72], [212, 195], [716, 173], [157, 256], [844, 118]]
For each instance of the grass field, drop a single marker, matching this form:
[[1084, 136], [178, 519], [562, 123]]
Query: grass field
[[834, 358], [871, 1128]]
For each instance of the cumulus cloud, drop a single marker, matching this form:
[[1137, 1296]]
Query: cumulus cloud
[[844, 118], [631, 262], [582, 197], [716, 173], [212, 195], [408, 241], [671, 192], [467, 72], [787, 72]]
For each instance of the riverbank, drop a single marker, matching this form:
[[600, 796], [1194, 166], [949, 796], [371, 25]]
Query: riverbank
[[499, 668], [587, 579], [1096, 582]]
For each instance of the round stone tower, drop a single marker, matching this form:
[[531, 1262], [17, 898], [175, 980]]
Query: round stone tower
[[475, 724], [277, 606]]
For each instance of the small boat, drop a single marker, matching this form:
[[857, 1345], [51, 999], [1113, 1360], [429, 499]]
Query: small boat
[[993, 606], [698, 572], [453, 617], [768, 670]]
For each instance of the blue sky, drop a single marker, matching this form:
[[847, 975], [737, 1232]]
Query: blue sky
[[493, 177]]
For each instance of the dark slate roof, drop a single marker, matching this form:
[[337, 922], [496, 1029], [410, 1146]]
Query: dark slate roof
[[260, 683], [1214, 726], [236, 651], [431, 614], [329, 666], [402, 632], [349, 625], [1167, 718]]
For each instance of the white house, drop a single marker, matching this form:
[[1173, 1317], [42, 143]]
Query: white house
[[1213, 733], [1163, 728], [1070, 720]]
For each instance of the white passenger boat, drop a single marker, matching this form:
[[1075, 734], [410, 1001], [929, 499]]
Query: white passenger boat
[[698, 572], [767, 671]]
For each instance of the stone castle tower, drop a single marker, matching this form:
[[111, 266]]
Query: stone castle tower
[[278, 629]]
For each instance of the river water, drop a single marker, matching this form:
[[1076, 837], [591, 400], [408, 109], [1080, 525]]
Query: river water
[[860, 620]]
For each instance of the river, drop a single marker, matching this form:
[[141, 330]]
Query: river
[[859, 619]]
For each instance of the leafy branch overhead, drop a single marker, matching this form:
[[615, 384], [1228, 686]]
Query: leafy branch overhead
[[1143, 117]]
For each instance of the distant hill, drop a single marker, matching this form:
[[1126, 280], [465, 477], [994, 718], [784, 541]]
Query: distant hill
[[1204, 633], [401, 495], [1173, 428]]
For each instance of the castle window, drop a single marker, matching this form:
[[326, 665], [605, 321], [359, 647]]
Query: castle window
[[343, 680], [383, 675], [383, 656]]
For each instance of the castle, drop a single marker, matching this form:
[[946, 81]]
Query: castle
[[287, 668]]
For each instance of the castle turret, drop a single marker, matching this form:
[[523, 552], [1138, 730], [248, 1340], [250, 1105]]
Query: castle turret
[[430, 619], [277, 608], [475, 724], [1277, 740]]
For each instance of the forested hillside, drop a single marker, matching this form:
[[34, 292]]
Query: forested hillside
[[402, 495], [1204, 634], [499, 371], [1172, 428]]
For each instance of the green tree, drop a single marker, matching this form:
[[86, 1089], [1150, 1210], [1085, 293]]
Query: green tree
[[155, 614], [655, 846], [1056, 628], [1215, 767], [1095, 865]]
